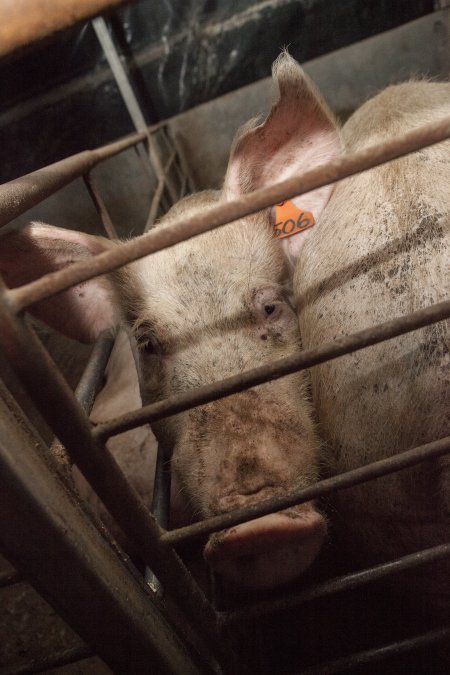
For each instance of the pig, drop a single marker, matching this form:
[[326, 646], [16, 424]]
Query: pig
[[239, 296], [210, 307], [379, 249]]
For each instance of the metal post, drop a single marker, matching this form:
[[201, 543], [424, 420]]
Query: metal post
[[103, 602]]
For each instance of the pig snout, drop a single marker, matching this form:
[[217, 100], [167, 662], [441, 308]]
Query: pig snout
[[268, 551]]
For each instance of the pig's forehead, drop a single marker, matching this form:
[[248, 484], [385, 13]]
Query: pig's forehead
[[215, 272], [225, 257]]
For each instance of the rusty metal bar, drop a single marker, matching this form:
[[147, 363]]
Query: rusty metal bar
[[100, 206], [103, 602], [337, 585], [272, 371], [361, 475], [185, 228], [158, 193], [92, 378], [378, 653], [57, 404], [21, 194], [25, 21]]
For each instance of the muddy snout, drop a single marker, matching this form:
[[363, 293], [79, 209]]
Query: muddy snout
[[268, 551]]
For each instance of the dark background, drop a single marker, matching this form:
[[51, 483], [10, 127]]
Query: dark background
[[58, 97]]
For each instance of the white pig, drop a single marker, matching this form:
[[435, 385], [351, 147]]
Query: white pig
[[207, 308], [221, 303], [379, 249]]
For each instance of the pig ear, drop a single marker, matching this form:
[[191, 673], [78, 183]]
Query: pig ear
[[299, 134], [83, 311]]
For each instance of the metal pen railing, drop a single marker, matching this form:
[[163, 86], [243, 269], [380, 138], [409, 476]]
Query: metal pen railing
[[85, 443]]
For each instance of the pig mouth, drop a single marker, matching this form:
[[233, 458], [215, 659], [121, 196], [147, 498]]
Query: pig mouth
[[268, 551]]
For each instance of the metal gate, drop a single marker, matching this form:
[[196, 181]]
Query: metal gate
[[130, 624]]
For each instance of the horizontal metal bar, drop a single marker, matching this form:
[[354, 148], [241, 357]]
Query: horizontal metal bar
[[25, 21], [379, 653], [21, 194], [345, 480], [272, 371], [57, 405], [185, 228], [337, 585]]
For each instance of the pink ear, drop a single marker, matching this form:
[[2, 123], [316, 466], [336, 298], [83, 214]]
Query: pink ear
[[81, 312], [300, 133]]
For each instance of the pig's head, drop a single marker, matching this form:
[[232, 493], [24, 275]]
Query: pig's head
[[211, 307]]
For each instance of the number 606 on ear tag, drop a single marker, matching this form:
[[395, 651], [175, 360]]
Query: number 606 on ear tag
[[289, 220]]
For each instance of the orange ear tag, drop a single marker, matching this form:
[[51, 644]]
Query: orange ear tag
[[289, 220]]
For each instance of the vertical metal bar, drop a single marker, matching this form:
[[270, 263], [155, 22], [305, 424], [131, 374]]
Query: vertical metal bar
[[160, 506], [158, 194], [100, 206], [57, 405], [128, 95], [103, 602], [93, 376]]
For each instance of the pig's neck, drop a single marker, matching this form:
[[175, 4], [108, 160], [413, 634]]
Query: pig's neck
[[292, 246]]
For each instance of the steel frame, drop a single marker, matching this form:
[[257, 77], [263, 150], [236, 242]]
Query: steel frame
[[85, 443]]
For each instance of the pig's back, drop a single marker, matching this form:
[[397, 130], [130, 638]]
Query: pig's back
[[381, 249]]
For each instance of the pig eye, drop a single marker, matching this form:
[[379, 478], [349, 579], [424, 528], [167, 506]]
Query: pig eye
[[147, 345]]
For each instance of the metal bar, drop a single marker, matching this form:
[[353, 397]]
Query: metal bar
[[103, 602], [100, 206], [129, 98], [371, 655], [361, 475], [219, 215], [57, 404], [158, 194], [170, 143], [160, 506], [337, 585], [93, 376], [272, 371], [25, 21], [21, 194]]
